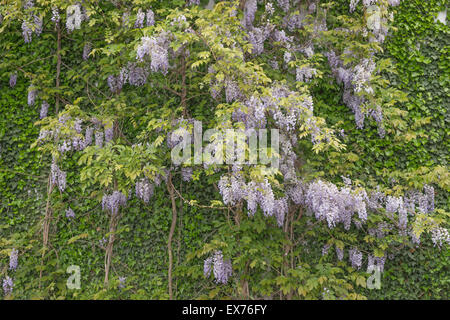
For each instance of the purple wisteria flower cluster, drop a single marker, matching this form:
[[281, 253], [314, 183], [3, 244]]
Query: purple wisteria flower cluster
[[440, 236], [222, 270], [57, 176], [70, 214], [144, 190], [31, 23], [234, 189], [142, 17], [334, 206], [14, 259], [44, 110], [32, 94], [55, 15], [112, 203], [355, 257], [158, 50], [8, 285], [13, 79]]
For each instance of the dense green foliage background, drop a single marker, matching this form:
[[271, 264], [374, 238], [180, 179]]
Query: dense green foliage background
[[420, 49]]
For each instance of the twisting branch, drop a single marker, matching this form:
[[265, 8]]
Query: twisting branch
[[170, 188]]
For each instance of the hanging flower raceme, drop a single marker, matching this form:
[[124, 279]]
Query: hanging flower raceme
[[44, 110], [158, 50], [13, 80], [144, 190], [112, 203], [32, 93], [13, 259], [355, 257], [70, 214], [222, 270], [57, 176], [8, 285]]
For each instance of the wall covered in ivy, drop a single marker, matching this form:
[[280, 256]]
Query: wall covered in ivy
[[419, 48]]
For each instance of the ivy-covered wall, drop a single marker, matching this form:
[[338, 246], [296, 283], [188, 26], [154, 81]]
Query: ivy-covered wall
[[420, 49]]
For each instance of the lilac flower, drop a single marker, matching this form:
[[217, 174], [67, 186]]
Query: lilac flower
[[125, 19], [294, 21], [44, 110], [414, 238], [329, 203], [225, 190], [13, 80], [70, 214], [368, 3], [194, 2], [66, 146], [13, 259], [274, 64], [8, 285]]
